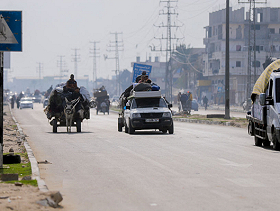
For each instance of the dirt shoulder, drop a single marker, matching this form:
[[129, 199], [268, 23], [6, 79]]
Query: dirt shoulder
[[12, 197]]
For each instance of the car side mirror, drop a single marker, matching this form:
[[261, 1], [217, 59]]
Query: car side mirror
[[170, 105], [262, 99]]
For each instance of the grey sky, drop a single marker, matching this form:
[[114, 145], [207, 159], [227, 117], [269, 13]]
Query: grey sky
[[54, 27]]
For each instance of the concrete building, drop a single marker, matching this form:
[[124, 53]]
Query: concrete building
[[267, 42]]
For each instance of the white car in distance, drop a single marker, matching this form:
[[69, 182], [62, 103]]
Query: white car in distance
[[26, 102]]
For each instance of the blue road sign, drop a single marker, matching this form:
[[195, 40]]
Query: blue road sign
[[10, 31], [139, 68]]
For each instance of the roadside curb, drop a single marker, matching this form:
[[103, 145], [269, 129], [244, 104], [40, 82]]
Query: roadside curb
[[34, 164]]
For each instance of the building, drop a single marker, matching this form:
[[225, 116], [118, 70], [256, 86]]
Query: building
[[267, 44]]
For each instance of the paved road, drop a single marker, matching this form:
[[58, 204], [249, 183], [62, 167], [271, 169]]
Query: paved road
[[199, 167]]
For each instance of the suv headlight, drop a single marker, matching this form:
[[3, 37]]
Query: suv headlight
[[136, 115], [166, 114]]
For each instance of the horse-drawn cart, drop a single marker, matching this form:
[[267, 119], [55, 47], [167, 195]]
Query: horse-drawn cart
[[101, 99], [68, 109]]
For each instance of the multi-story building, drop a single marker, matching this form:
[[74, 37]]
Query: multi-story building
[[267, 44]]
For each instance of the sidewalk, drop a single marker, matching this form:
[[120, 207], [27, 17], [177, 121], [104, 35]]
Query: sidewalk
[[237, 115], [222, 108]]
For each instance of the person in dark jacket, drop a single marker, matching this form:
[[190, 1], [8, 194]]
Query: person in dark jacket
[[71, 84], [13, 101]]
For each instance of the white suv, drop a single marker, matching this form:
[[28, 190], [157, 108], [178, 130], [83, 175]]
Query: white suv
[[147, 110]]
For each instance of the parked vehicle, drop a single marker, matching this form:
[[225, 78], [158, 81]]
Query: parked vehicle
[[145, 110], [26, 102], [264, 116]]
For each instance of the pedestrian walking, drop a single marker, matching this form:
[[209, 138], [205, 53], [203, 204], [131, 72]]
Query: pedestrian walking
[[205, 102], [13, 101]]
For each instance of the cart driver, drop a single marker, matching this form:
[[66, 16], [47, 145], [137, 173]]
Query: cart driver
[[71, 84]]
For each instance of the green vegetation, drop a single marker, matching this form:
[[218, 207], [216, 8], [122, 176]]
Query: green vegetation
[[25, 182], [22, 169], [18, 168]]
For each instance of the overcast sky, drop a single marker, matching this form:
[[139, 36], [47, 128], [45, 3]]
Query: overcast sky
[[53, 28]]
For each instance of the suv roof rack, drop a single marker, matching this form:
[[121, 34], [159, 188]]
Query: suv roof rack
[[146, 94]]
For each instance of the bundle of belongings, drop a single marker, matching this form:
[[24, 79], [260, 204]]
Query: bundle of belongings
[[69, 91], [100, 96], [142, 83], [262, 82]]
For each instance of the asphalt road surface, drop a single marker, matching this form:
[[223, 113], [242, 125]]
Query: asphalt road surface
[[199, 167]]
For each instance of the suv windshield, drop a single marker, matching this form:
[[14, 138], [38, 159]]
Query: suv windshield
[[148, 102]]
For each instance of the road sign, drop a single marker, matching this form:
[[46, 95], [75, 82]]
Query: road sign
[[10, 31], [139, 68]]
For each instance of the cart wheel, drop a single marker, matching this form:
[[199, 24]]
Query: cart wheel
[[54, 123], [119, 127], [79, 125], [96, 111]]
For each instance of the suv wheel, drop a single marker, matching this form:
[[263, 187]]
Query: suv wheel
[[130, 128]]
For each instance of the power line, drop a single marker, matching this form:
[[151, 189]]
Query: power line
[[76, 59], [116, 46], [167, 10], [61, 64], [95, 54], [40, 69]]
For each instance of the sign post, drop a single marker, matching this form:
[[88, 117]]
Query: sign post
[[139, 68], [10, 40], [1, 106]]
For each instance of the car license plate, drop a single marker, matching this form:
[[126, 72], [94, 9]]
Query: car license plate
[[152, 120]]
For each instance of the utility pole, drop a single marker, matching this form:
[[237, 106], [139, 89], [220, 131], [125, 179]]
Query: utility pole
[[227, 116], [60, 64], [116, 47], [251, 46], [1, 106], [76, 59], [95, 54], [40, 69], [168, 10]]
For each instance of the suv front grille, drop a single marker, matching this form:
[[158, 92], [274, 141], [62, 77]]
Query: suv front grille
[[151, 115]]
